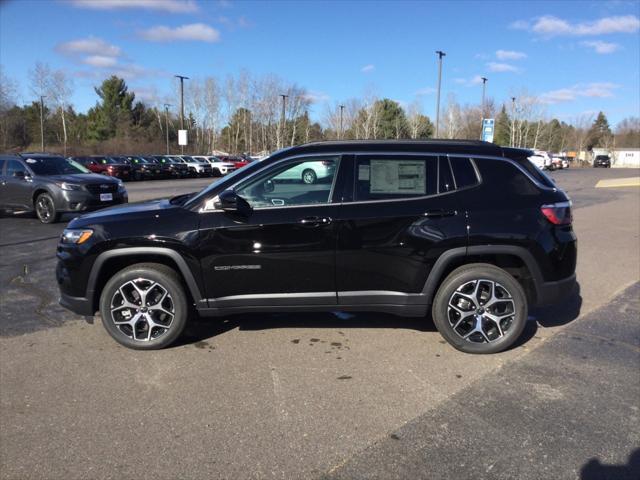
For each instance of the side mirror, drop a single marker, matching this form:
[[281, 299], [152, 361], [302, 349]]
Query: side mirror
[[19, 175], [230, 201], [269, 187]]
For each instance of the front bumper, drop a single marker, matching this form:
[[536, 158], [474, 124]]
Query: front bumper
[[550, 293], [83, 201], [78, 305]]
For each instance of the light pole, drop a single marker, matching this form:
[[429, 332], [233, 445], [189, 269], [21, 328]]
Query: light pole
[[513, 120], [166, 122], [440, 55], [282, 120], [42, 97], [341, 110], [484, 86], [182, 79]]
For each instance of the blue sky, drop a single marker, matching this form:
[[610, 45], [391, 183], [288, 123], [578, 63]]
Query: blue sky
[[576, 56]]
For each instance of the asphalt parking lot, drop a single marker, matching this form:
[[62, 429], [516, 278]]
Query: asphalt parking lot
[[324, 395]]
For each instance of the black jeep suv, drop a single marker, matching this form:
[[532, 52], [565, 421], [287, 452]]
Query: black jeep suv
[[469, 230], [52, 185]]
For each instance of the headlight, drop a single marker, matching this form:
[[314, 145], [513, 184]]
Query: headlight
[[76, 236], [69, 186], [120, 186]]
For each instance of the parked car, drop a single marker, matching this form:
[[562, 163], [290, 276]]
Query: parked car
[[467, 230], [163, 170], [176, 168], [141, 168], [220, 167], [197, 167], [565, 163], [107, 166], [557, 163], [309, 173], [538, 161], [602, 161], [51, 185]]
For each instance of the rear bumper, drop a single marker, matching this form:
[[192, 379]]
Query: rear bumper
[[550, 293]]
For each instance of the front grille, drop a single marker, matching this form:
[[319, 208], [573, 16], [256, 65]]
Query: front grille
[[97, 188]]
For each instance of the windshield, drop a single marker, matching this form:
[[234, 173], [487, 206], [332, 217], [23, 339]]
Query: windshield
[[55, 166]]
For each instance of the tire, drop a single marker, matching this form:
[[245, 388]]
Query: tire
[[45, 209], [309, 176], [216, 172], [168, 299], [508, 310]]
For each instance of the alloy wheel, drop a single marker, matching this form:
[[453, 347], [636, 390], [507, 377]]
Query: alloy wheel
[[142, 309], [481, 311], [44, 208]]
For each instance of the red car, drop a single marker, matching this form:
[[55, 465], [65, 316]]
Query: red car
[[238, 162], [106, 166]]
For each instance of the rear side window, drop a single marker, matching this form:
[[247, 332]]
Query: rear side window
[[463, 172], [389, 177]]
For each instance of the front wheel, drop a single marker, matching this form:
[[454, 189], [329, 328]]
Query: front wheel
[[480, 308], [144, 306], [46, 209]]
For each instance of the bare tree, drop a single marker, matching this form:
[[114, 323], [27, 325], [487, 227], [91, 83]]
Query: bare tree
[[59, 90]]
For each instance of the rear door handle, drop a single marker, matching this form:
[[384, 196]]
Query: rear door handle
[[315, 221], [440, 213]]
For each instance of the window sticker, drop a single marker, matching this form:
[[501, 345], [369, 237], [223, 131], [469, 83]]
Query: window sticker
[[405, 176], [363, 172]]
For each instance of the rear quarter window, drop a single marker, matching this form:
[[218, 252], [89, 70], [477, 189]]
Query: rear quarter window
[[506, 177]]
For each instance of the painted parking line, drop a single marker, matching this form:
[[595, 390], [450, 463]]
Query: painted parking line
[[619, 182]]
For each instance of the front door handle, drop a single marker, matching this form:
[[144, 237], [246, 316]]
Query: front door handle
[[440, 213], [315, 221]]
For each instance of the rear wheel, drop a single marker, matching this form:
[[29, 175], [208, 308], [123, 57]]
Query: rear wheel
[[309, 176], [480, 308], [46, 209], [144, 306]]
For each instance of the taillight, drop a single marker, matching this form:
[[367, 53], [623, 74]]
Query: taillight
[[558, 213]]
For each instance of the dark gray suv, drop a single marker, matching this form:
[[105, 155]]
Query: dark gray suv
[[51, 185]]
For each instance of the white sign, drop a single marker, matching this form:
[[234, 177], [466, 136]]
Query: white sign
[[403, 176], [182, 137]]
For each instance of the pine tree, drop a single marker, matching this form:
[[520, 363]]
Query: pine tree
[[501, 134], [600, 133]]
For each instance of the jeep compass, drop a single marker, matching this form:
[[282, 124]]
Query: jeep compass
[[470, 232]]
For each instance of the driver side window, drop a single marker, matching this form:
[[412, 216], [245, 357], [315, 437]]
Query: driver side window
[[301, 182], [14, 166]]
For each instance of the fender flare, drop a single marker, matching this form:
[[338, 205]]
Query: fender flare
[[445, 259], [184, 269]]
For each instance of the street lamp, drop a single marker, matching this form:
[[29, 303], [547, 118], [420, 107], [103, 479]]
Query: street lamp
[[482, 109], [440, 55], [182, 79], [282, 123], [341, 110], [166, 122], [42, 97]]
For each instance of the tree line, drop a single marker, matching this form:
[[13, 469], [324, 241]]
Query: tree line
[[252, 114]]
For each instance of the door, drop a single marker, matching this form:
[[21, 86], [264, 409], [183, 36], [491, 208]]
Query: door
[[18, 185], [283, 251], [402, 215]]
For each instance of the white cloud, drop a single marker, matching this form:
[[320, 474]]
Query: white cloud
[[589, 90], [89, 46], [100, 61], [551, 26], [368, 68], [171, 6], [501, 67], [317, 97], [194, 32], [469, 82], [425, 91], [601, 47], [510, 55]]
